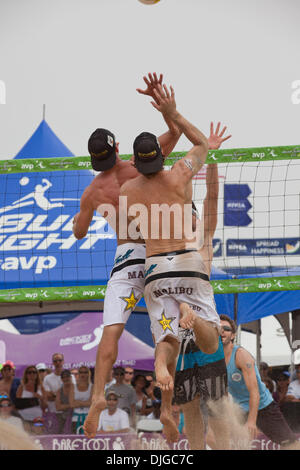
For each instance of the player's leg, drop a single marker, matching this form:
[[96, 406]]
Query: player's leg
[[206, 334], [107, 354], [165, 362], [115, 315], [170, 429], [194, 424]]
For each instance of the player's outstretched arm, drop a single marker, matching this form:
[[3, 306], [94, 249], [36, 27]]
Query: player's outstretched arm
[[193, 161], [210, 205], [169, 139]]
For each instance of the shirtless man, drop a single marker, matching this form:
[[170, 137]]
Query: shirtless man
[[202, 377], [173, 273], [123, 290]]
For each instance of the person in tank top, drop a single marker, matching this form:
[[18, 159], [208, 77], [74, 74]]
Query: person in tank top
[[251, 394]]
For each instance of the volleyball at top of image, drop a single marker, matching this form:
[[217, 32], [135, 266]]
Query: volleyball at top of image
[[149, 2]]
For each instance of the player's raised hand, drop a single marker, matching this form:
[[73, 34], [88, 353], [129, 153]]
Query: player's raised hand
[[164, 100], [216, 137], [152, 82]]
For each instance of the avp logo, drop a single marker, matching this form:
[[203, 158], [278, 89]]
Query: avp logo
[[258, 155], [36, 219]]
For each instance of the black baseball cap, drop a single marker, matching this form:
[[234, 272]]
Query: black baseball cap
[[147, 154], [102, 148]]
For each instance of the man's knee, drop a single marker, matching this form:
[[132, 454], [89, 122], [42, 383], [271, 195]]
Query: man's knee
[[111, 335], [211, 345]]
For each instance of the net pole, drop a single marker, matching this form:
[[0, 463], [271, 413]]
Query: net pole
[[235, 313], [258, 348]]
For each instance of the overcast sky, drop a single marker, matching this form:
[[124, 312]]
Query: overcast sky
[[228, 60]]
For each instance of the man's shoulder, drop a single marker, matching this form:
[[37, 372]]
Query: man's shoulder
[[131, 183], [121, 413], [104, 413], [120, 387], [294, 384], [242, 356], [175, 177], [51, 378], [89, 192], [52, 374]]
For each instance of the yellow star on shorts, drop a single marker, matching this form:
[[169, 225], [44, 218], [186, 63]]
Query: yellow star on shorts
[[165, 322], [131, 301]]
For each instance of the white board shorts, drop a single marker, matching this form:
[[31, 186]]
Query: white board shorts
[[173, 278], [126, 284]]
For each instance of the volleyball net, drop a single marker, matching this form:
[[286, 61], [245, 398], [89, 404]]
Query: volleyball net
[[256, 244]]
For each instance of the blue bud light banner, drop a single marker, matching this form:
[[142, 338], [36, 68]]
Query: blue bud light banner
[[37, 245]]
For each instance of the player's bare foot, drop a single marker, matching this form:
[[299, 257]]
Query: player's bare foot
[[164, 379], [187, 317], [170, 429], [92, 420]]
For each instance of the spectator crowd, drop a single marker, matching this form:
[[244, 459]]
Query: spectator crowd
[[56, 400]]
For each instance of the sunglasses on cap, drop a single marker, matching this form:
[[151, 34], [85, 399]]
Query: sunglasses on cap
[[4, 396]]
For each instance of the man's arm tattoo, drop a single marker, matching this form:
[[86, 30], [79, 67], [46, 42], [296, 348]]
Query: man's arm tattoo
[[188, 163]]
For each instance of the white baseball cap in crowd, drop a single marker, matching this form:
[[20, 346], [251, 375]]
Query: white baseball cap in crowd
[[296, 358], [41, 366]]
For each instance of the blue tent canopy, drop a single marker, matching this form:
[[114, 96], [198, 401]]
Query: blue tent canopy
[[44, 144]]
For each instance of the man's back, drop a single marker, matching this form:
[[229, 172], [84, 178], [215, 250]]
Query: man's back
[[103, 195], [163, 195], [105, 188]]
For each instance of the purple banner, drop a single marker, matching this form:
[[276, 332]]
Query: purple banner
[[78, 340]]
